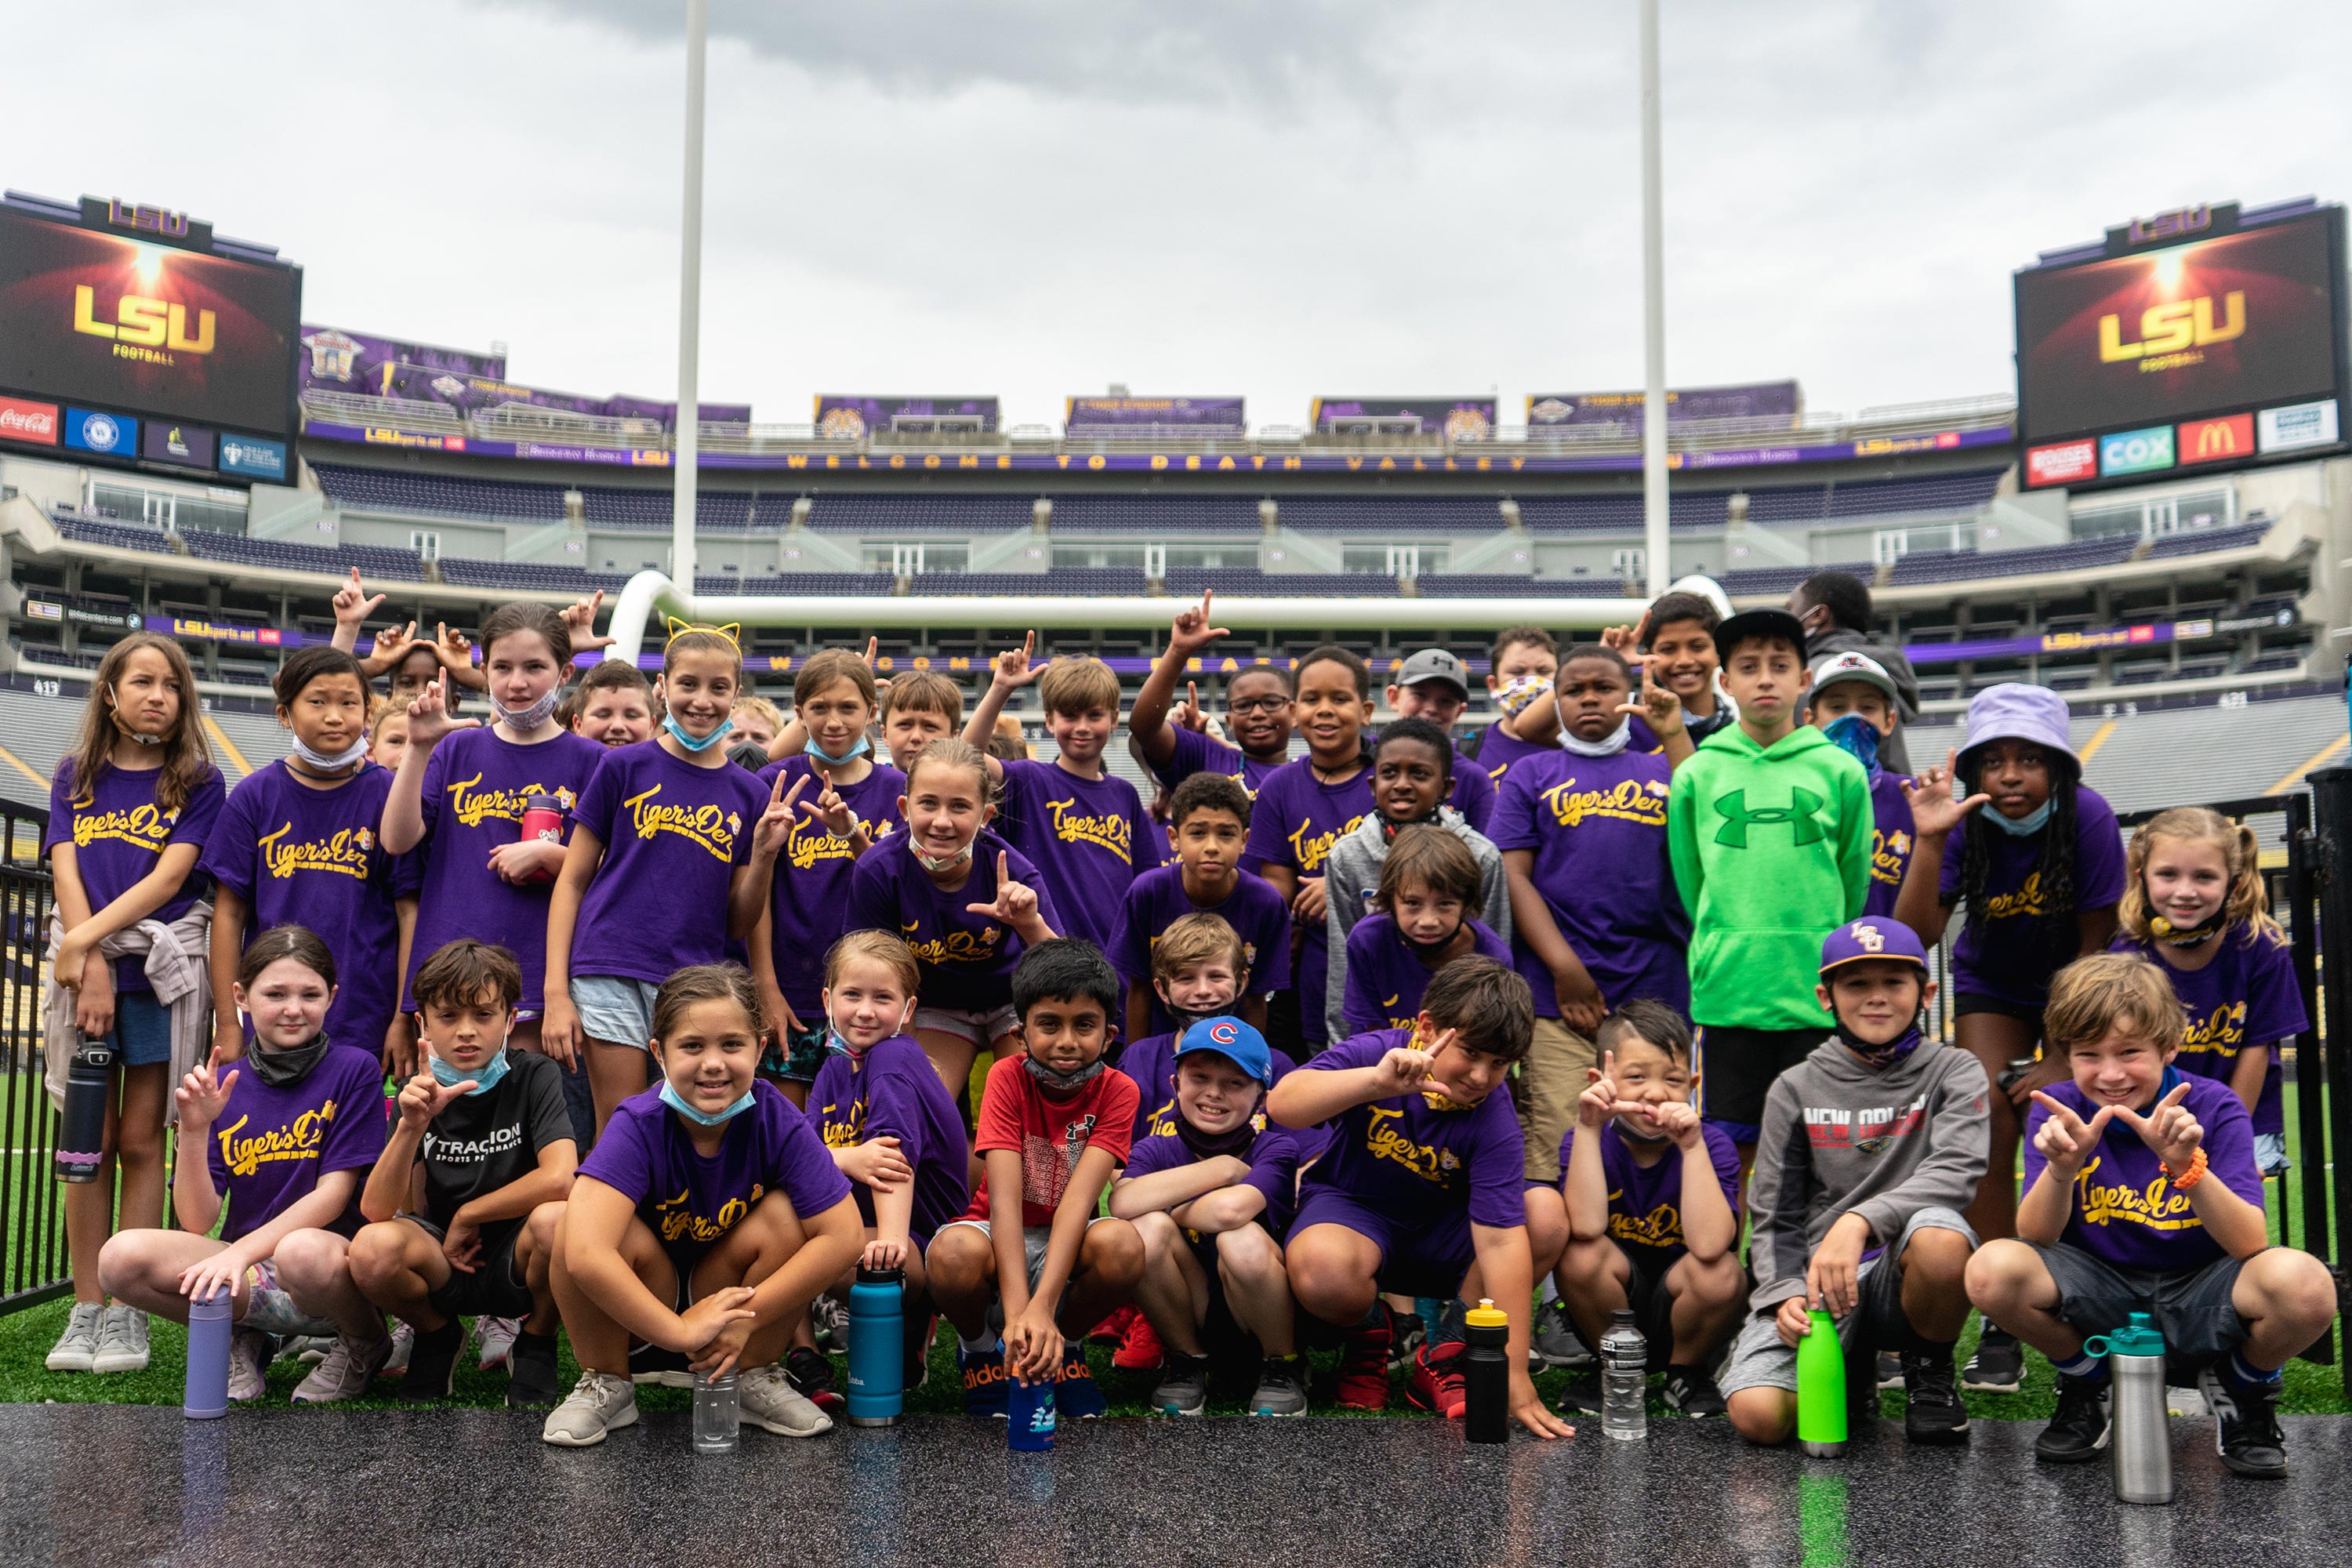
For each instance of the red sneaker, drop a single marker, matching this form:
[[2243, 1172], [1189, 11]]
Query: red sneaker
[[1140, 1351], [1112, 1330], [1364, 1365], [1437, 1383]]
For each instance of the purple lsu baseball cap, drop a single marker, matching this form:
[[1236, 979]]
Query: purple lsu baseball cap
[[2016, 712], [1873, 936]]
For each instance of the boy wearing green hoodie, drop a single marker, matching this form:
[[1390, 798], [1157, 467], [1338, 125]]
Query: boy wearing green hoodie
[[1769, 826]]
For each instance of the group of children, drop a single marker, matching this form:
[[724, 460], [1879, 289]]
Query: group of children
[[578, 1017]]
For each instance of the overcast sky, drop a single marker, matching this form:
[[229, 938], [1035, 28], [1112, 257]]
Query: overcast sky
[[1276, 198]]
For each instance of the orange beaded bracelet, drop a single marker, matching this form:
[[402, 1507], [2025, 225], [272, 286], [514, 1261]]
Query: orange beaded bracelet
[[2191, 1176]]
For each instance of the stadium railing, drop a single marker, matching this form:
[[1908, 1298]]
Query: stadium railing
[[34, 1263]]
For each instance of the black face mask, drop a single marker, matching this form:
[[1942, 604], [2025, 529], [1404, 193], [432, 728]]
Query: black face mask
[[1204, 1145], [1430, 950], [280, 1068], [1061, 1082], [1894, 1051]]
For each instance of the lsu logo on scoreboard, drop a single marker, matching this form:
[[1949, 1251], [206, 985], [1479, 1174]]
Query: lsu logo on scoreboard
[[2169, 334], [143, 325]]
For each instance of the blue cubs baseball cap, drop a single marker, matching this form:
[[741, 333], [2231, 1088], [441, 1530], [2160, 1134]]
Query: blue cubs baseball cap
[[1873, 936], [1233, 1040]]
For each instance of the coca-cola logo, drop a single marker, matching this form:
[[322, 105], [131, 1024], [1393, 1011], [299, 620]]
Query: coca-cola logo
[[21, 421]]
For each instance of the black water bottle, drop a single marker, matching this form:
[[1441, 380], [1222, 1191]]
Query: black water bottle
[[81, 1138], [1486, 1375]]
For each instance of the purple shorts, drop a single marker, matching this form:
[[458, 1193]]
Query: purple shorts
[[1416, 1260]]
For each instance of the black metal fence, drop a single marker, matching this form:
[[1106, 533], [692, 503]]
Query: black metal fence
[[34, 1266]]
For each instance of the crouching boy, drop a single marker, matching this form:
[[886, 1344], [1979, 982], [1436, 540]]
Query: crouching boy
[[1054, 1125], [1212, 1197], [483, 1140], [1653, 1199], [1419, 1188], [1870, 1147], [2143, 1196]]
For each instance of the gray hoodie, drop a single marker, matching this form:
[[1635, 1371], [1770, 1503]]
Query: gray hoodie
[[1351, 874], [1842, 1137]]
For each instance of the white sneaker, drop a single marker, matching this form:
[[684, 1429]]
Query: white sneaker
[[306, 1350], [598, 1403], [346, 1372], [248, 1353], [121, 1341], [404, 1340], [495, 1339], [76, 1348], [771, 1403]]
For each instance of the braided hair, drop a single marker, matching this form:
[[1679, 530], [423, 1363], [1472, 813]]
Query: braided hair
[[2055, 869]]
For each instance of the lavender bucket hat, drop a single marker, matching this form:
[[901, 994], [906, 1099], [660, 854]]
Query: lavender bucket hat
[[2016, 712]]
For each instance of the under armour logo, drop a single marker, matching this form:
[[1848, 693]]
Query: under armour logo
[[1797, 814]]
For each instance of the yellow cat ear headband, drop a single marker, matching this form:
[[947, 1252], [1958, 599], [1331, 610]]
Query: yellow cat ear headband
[[732, 631]]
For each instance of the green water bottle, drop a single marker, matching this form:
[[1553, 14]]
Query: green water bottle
[[1821, 1389]]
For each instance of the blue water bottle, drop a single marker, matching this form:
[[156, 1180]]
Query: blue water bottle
[[1029, 1409], [209, 1328], [877, 1349]]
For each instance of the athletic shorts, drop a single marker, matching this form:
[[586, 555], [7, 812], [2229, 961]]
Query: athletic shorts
[[269, 1309], [1759, 1359], [492, 1291], [614, 1009], [2191, 1306], [2027, 1013], [2270, 1154], [983, 1026], [1416, 1260], [1035, 1238], [1653, 1303], [1737, 1067]]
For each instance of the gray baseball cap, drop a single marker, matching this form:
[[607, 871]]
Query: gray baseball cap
[[1435, 664]]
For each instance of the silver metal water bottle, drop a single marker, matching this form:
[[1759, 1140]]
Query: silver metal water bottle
[[2139, 1438]]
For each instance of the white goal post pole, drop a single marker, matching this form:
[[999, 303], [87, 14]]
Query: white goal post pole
[[1655, 513], [687, 455]]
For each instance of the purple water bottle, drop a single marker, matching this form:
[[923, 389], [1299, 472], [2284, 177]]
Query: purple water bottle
[[1029, 1411], [209, 1328]]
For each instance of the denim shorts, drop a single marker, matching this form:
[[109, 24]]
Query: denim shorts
[[142, 1035], [614, 1009], [982, 1026], [2194, 1308]]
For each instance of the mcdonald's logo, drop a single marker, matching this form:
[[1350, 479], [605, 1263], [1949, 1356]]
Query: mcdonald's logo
[[2212, 440]]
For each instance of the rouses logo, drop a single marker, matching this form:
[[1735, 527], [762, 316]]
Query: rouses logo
[[2210, 441], [2064, 461], [2135, 451], [2297, 426], [36, 423], [88, 431]]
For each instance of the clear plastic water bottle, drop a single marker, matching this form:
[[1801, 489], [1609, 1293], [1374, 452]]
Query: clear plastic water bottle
[[1624, 1380], [717, 1413]]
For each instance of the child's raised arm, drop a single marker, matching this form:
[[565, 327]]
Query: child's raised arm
[[1013, 669], [1312, 1095], [1147, 720], [429, 723], [195, 1202], [1585, 1184], [1934, 815]]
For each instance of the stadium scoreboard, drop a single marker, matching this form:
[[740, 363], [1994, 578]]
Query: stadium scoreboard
[[133, 335], [2200, 338]]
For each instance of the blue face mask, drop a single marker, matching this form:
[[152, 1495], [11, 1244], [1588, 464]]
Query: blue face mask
[[676, 1102], [1857, 737], [486, 1078], [2025, 826], [843, 760], [688, 742]]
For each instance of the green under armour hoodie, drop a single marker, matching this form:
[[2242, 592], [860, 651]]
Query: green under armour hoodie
[[1771, 852]]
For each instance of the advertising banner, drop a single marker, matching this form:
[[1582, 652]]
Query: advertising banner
[[1775, 400], [2215, 440], [1113, 416], [2303, 425], [110, 319], [108, 435], [21, 419], [846, 418], [2062, 462], [1456, 418], [186, 446], [250, 458], [338, 361]]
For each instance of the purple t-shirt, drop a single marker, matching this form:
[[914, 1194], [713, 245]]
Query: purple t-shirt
[[893, 1092], [1414, 1162], [1197, 752], [1294, 823], [1474, 792], [1150, 1062], [1272, 1157], [1385, 981], [691, 1203], [1082, 835], [1597, 828], [1156, 899], [1646, 1202], [1890, 842], [474, 788], [2125, 1212], [269, 1147], [810, 896], [1499, 751], [118, 835], [673, 834], [2246, 996], [965, 959], [298, 856], [2008, 950]]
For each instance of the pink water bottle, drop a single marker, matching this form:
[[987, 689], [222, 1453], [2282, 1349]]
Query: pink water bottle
[[542, 820]]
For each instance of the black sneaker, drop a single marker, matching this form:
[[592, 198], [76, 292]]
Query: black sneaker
[[1408, 1334], [919, 1334], [811, 1375], [1932, 1409], [1183, 1384], [1582, 1395], [1281, 1386], [2245, 1418], [1689, 1392], [2079, 1429], [1999, 1365], [531, 1371], [1890, 1370], [433, 1363]]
